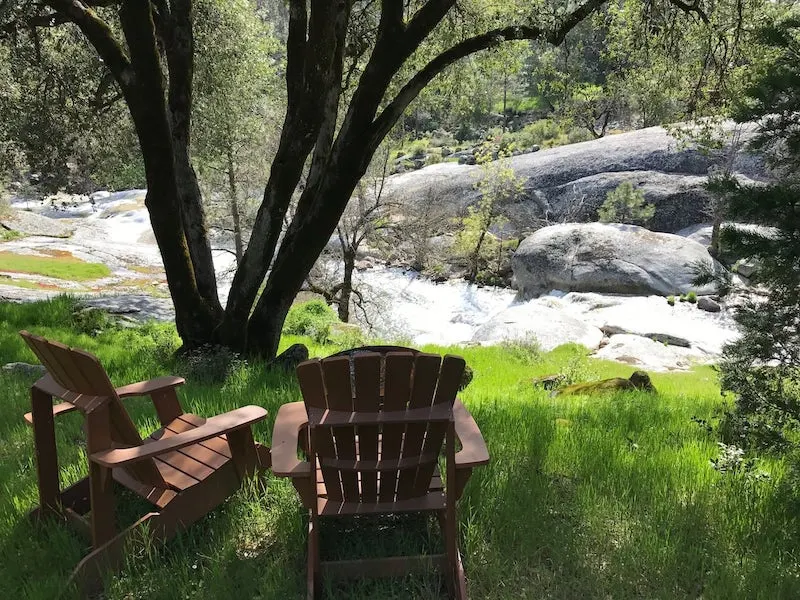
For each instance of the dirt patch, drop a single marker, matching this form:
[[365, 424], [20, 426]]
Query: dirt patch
[[56, 253], [146, 270]]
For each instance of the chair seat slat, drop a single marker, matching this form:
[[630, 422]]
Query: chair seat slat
[[379, 465], [331, 418], [433, 501]]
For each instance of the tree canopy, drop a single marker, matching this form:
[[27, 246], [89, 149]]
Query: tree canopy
[[351, 70]]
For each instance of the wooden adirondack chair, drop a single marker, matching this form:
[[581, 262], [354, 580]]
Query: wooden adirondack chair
[[184, 469], [373, 425]]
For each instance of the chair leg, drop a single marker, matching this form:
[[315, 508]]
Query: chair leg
[[243, 451], [454, 577], [44, 437], [103, 519], [313, 578], [88, 575]]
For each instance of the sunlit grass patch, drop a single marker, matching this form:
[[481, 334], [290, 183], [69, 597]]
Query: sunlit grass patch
[[608, 496], [31, 285], [62, 266]]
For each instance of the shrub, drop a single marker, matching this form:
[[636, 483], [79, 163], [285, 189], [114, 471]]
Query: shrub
[[209, 363], [433, 158], [691, 297], [578, 134], [626, 204], [347, 335], [538, 132], [671, 300], [313, 318], [5, 206], [418, 148], [527, 350], [442, 137], [577, 368], [91, 321]]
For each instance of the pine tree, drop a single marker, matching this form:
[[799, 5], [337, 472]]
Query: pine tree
[[762, 368], [626, 204]]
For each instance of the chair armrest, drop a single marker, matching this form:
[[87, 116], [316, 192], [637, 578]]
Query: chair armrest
[[221, 424], [290, 420], [473, 451], [58, 409], [145, 388]]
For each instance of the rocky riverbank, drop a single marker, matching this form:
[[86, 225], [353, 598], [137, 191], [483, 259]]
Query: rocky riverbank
[[602, 286]]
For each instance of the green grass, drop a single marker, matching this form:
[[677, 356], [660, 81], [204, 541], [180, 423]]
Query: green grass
[[601, 497], [27, 284], [7, 235], [61, 267]]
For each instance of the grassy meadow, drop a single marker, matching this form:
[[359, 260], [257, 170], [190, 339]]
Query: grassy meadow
[[585, 497], [61, 265]]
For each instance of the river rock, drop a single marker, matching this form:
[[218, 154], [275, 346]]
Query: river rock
[[290, 358], [549, 326], [638, 381], [707, 304], [26, 369], [701, 232], [648, 354], [746, 267], [608, 258], [651, 316]]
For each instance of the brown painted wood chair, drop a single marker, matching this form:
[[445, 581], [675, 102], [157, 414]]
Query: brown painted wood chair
[[185, 469], [373, 424]]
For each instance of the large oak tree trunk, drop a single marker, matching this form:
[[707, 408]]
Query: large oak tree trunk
[[173, 196], [302, 244]]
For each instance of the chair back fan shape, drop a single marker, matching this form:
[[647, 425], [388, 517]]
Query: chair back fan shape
[[377, 425], [93, 394]]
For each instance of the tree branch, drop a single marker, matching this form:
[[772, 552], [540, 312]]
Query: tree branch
[[100, 36], [384, 122], [425, 20], [694, 7]]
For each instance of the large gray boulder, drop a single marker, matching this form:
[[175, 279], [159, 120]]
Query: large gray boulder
[[569, 183], [608, 258]]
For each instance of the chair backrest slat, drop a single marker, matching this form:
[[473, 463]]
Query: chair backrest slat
[[312, 385], [340, 397], [446, 390], [395, 458], [426, 374], [81, 373], [399, 368], [367, 378]]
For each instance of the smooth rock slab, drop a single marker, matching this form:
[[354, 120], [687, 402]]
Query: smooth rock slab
[[30, 223], [648, 354], [608, 258], [550, 327], [652, 317]]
